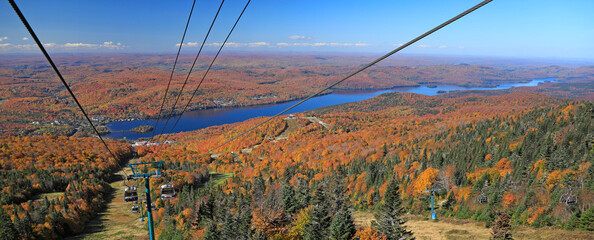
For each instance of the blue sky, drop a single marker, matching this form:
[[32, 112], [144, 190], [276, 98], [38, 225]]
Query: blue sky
[[510, 28]]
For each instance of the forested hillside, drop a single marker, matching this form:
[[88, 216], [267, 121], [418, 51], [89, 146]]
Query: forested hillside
[[52, 186], [114, 87], [302, 177], [525, 154]]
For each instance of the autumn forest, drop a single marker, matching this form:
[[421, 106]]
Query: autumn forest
[[511, 159]]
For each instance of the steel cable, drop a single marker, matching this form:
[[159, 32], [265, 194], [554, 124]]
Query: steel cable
[[360, 70], [172, 71], [51, 62], [191, 68]]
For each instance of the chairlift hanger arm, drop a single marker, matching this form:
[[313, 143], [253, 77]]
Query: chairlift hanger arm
[[135, 166]]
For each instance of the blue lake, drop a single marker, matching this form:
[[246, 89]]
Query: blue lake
[[210, 117]]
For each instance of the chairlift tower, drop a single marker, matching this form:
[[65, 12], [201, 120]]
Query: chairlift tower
[[432, 191], [146, 171]]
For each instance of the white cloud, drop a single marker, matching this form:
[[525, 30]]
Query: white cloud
[[278, 45], [258, 44], [398, 45], [25, 38], [228, 44], [443, 46], [461, 47], [251, 45], [189, 44], [10, 46], [424, 46], [322, 44], [66, 46], [78, 45], [234, 44], [3, 38], [111, 45], [299, 37], [106, 45], [216, 44]]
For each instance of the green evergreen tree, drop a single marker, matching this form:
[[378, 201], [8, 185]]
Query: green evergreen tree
[[447, 207], [245, 222], [259, 187], [590, 181], [229, 228], [317, 227], [206, 210], [7, 231], [212, 233], [587, 220], [485, 216], [450, 201], [342, 226], [573, 222], [302, 194], [258, 235], [24, 226], [289, 201], [171, 233], [337, 197], [389, 215]]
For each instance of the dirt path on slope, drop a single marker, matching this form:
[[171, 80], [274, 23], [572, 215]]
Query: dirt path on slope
[[317, 120], [117, 221], [292, 125]]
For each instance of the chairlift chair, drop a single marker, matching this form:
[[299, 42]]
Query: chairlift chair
[[135, 209], [167, 191], [563, 198], [130, 194], [571, 200], [482, 199], [153, 206]]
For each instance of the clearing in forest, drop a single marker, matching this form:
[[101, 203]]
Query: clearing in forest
[[450, 229], [50, 196], [117, 221]]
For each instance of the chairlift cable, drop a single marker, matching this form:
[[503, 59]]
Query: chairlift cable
[[51, 62], [210, 66], [173, 70], [191, 68], [360, 70]]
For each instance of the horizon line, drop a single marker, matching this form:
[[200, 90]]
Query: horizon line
[[585, 61]]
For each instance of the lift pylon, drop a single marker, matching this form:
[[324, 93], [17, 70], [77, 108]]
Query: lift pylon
[[145, 171], [432, 190]]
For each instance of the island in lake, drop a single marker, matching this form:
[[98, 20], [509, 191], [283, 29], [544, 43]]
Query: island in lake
[[142, 129], [103, 130]]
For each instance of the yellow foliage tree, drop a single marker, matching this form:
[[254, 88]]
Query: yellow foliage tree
[[368, 233], [424, 180], [296, 231]]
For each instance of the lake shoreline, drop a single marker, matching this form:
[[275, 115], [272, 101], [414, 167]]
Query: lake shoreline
[[212, 116], [336, 91]]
